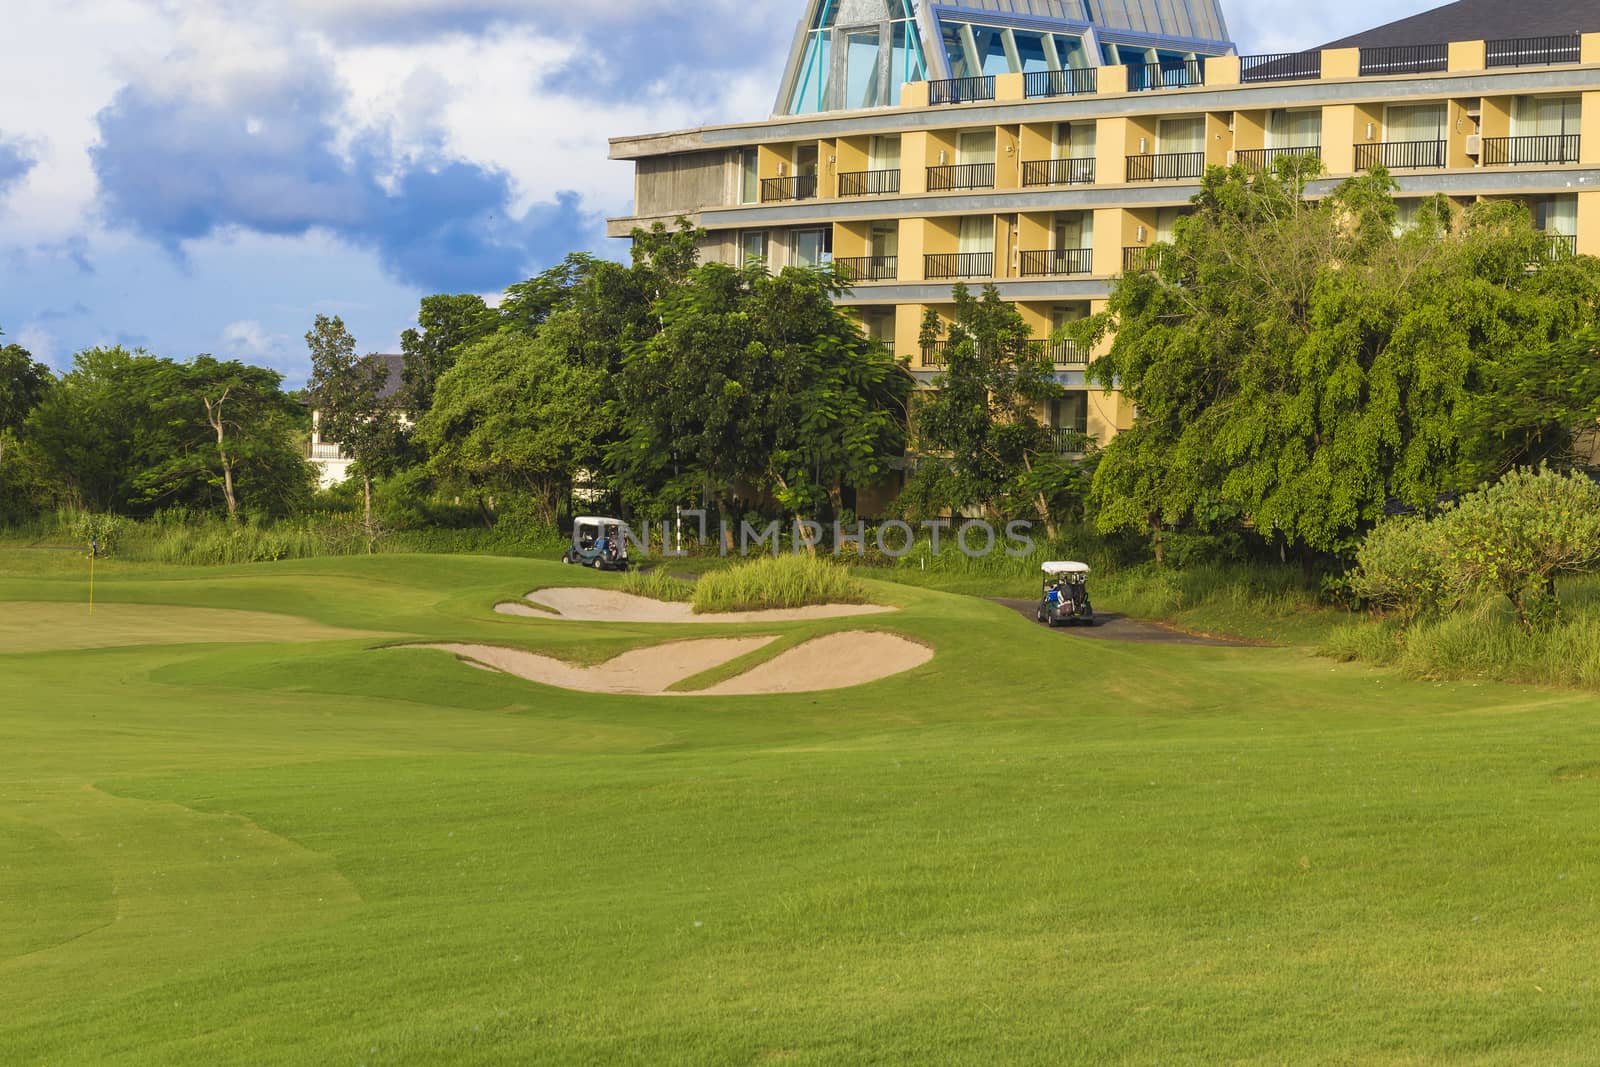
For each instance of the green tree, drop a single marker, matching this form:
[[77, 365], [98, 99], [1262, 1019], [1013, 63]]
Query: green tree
[[354, 408], [516, 419], [1299, 365], [23, 384], [980, 431], [445, 324]]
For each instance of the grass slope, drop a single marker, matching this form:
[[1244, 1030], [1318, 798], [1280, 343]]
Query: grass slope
[[1036, 849]]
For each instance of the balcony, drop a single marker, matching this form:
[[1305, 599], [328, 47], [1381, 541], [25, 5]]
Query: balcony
[[869, 268], [1068, 439], [1135, 256], [960, 90], [1280, 67], [1400, 155], [1064, 353], [1070, 82], [1519, 151], [1166, 167], [940, 266], [869, 182], [1168, 74], [1533, 51], [1057, 172], [1560, 245], [936, 355], [1264, 158], [961, 176], [1404, 59], [1057, 261], [779, 190], [325, 451]]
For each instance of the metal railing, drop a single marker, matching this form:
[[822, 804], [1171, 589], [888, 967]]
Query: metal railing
[[1056, 261], [960, 90], [1263, 158], [868, 268], [1166, 167], [1400, 155], [869, 182], [1063, 353], [1058, 172], [1558, 245], [961, 176], [1513, 151], [940, 265], [1404, 59], [1168, 74], [1280, 67], [1065, 439], [325, 451], [1069, 82], [1134, 256], [798, 187], [1533, 51], [936, 354]]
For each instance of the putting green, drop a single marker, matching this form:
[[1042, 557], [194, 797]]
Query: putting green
[[53, 627], [1030, 849]]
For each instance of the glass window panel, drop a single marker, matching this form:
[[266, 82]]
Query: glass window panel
[[884, 154], [753, 247], [861, 78], [977, 234], [1423, 122], [1181, 135], [750, 177], [976, 146], [885, 239], [1559, 214], [1030, 49], [811, 86]]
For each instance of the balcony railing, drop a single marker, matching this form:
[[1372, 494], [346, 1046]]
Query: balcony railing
[[1559, 245], [1280, 67], [1264, 158], [869, 182], [1533, 51], [941, 265], [936, 354], [1168, 74], [1063, 353], [1166, 167], [1514, 151], [1056, 261], [1064, 439], [1134, 256], [325, 451], [1058, 172], [1400, 155], [960, 90], [1404, 59], [961, 176], [1070, 82], [869, 268], [798, 187]]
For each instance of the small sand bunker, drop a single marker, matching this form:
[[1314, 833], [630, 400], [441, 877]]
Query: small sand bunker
[[643, 670], [607, 605], [837, 661]]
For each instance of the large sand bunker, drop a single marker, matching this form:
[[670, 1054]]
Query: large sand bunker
[[836, 661], [607, 605]]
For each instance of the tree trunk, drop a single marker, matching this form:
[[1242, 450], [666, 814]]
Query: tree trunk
[[366, 522], [1156, 539], [483, 509], [227, 487]]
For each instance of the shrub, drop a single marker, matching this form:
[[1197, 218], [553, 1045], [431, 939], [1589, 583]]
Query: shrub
[[1404, 567], [97, 533], [777, 582], [1518, 535]]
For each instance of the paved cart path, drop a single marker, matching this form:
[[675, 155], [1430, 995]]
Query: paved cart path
[[1122, 628]]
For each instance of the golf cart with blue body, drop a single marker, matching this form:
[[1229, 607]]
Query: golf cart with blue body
[[598, 542], [1065, 600]]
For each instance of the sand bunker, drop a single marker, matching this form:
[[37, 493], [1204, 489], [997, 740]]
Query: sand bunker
[[837, 661], [643, 670], [606, 605]]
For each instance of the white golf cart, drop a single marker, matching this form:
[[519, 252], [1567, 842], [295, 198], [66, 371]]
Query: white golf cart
[[1065, 599], [598, 542]]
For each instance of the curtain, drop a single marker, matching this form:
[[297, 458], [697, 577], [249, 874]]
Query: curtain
[[1181, 135], [1294, 129], [1424, 122]]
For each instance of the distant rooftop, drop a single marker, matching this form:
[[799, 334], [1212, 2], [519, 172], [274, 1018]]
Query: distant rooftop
[[1482, 20]]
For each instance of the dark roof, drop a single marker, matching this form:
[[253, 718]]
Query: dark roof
[[395, 366], [1482, 20]]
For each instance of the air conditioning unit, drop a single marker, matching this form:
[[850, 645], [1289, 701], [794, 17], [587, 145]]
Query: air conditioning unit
[[1474, 144]]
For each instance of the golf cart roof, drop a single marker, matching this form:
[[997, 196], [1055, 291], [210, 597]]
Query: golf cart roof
[[1067, 567], [596, 520]]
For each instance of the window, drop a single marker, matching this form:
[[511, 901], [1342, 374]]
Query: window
[[1074, 140], [812, 248], [883, 153], [1294, 129], [1548, 116], [884, 239], [977, 234], [753, 247], [749, 176], [1070, 412], [1422, 122], [975, 146], [1557, 214], [1074, 230], [1181, 135]]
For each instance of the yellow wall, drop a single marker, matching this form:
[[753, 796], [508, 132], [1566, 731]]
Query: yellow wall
[[1589, 223], [850, 239], [1035, 141], [1496, 119], [915, 147], [913, 244], [1467, 56], [1589, 149], [1007, 171], [1219, 139], [827, 171], [1222, 70], [907, 325], [1339, 64], [1457, 126], [1249, 129]]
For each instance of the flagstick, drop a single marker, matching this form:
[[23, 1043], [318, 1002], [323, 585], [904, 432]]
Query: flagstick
[[94, 550]]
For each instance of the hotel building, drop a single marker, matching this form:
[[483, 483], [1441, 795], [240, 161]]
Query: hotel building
[[1043, 144]]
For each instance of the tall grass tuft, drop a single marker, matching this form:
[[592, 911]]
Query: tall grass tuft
[[777, 582], [657, 584]]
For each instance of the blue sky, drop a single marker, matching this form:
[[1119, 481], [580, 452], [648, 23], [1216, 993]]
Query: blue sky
[[207, 175]]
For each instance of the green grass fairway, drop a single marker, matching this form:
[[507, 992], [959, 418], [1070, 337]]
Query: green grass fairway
[[237, 826]]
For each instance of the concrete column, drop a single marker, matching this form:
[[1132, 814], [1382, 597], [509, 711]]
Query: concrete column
[[1108, 241], [1222, 70], [1111, 150], [914, 94], [1467, 56], [1589, 48], [1589, 147], [914, 148], [913, 246], [1007, 158], [1340, 64], [1113, 79], [1010, 87], [907, 325], [1589, 224], [1219, 139]]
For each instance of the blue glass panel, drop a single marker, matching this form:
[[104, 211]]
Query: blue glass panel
[[811, 87], [861, 78], [1030, 49]]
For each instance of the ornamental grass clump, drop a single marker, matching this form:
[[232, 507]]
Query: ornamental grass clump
[[657, 584], [777, 582]]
